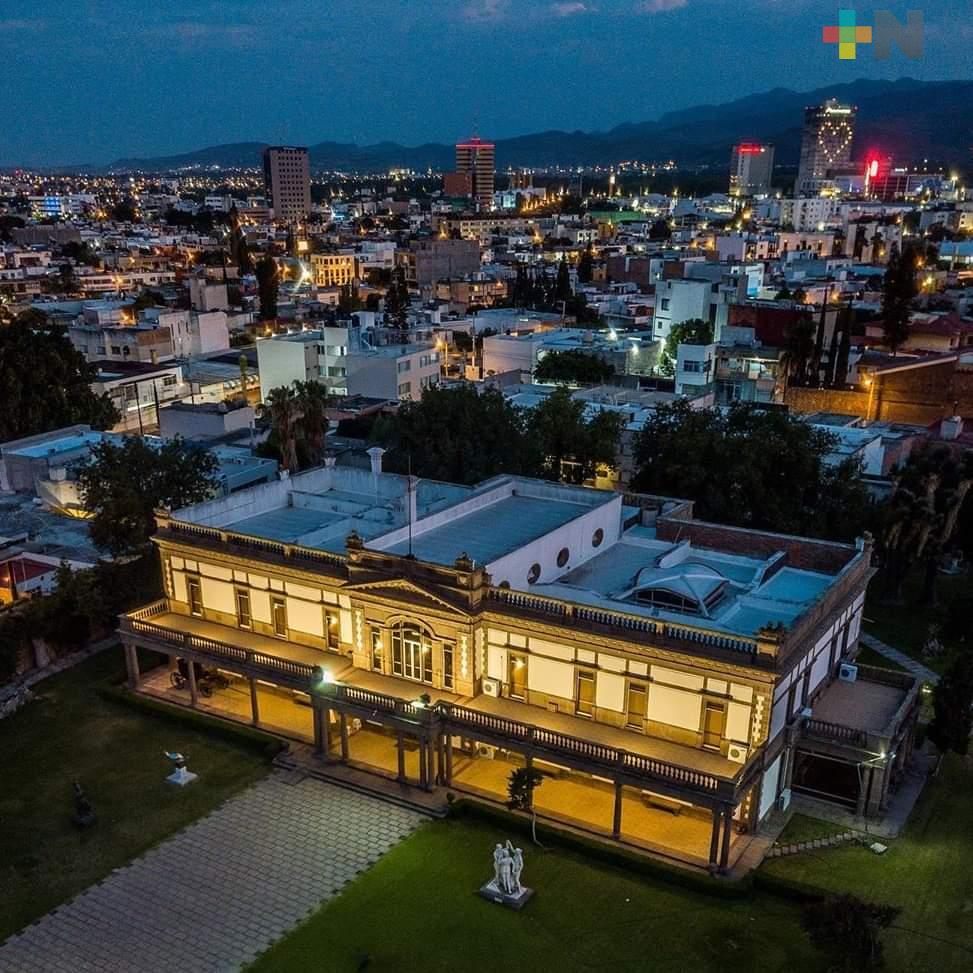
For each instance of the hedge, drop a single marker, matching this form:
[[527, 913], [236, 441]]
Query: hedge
[[248, 736]]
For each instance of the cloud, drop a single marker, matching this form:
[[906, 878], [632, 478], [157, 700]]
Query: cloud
[[569, 9], [485, 11], [189, 32], [659, 6], [22, 24]]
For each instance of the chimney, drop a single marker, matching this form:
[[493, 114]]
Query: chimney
[[375, 454], [951, 428]]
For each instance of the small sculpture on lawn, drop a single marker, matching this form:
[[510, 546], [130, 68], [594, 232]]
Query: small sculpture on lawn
[[180, 776], [84, 814], [505, 887]]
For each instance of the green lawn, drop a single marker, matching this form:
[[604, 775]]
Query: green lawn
[[801, 828], [71, 733], [905, 626], [928, 872], [417, 910]]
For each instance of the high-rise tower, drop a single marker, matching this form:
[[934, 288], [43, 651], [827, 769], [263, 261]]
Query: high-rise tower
[[478, 159], [287, 177], [825, 144]]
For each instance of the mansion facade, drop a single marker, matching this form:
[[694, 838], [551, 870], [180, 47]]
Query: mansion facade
[[672, 679]]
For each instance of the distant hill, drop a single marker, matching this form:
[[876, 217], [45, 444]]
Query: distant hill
[[907, 119]]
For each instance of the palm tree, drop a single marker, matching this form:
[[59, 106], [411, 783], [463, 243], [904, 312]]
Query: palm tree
[[281, 405], [312, 399], [798, 352]]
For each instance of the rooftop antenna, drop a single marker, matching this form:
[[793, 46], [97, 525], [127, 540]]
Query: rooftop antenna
[[409, 503]]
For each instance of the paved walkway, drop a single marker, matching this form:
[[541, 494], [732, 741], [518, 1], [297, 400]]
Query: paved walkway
[[218, 893], [924, 673]]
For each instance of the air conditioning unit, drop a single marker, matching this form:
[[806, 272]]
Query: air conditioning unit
[[784, 801], [491, 687], [848, 672], [738, 753], [806, 713]]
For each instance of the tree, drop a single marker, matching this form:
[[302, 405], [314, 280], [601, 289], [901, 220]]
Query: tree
[[268, 284], [124, 211], [561, 290], [45, 381], [572, 368], [122, 485], [744, 466], [952, 720], [660, 230], [459, 435], [573, 446], [521, 784], [921, 515], [397, 302], [898, 292], [848, 930], [239, 249], [798, 351], [586, 265], [311, 400], [695, 331], [281, 406]]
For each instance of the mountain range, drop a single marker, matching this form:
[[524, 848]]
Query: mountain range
[[906, 119]]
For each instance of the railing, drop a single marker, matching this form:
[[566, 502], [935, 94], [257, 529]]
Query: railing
[[556, 744], [835, 732], [454, 719], [621, 620], [260, 545], [886, 677], [261, 662]]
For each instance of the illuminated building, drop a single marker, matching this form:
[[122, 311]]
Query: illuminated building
[[287, 178], [477, 159], [653, 666], [826, 142], [751, 169]]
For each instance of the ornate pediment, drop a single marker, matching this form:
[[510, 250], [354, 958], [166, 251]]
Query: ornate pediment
[[411, 594]]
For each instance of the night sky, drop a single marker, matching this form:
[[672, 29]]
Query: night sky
[[93, 80]]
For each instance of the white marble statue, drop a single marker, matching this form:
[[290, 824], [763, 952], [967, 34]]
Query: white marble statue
[[516, 868]]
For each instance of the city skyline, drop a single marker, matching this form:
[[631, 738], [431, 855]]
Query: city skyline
[[317, 83]]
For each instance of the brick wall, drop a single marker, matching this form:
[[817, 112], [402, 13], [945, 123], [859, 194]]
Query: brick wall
[[824, 556]]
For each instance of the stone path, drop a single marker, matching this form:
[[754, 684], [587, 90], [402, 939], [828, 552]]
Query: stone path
[[924, 673], [215, 895]]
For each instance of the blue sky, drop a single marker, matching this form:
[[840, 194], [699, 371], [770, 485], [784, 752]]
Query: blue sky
[[92, 80]]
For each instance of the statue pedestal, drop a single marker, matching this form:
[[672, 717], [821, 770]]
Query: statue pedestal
[[181, 777], [492, 892]]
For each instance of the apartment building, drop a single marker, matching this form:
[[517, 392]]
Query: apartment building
[[674, 679], [347, 364], [334, 269]]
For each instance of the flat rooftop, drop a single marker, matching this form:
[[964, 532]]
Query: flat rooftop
[[861, 704], [569, 543]]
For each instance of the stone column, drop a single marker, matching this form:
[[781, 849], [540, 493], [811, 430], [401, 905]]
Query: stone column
[[325, 730], [861, 808], [727, 828], [423, 766], [343, 721], [193, 688], [449, 760], [430, 765], [318, 731], [400, 753], [714, 843], [617, 816], [254, 704], [132, 666]]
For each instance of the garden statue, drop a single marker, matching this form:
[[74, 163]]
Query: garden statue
[[84, 814], [180, 776], [505, 887]]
